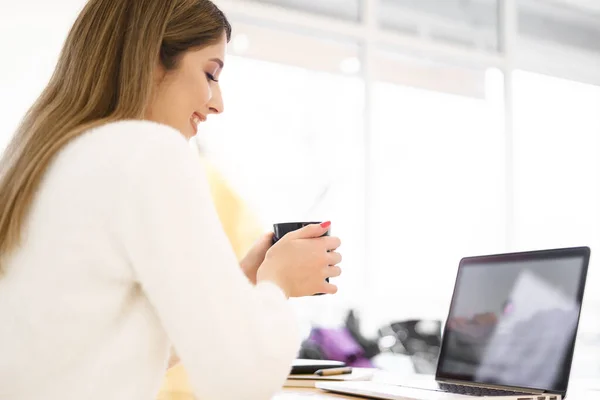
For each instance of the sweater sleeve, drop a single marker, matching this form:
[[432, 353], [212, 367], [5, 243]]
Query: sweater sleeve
[[236, 341]]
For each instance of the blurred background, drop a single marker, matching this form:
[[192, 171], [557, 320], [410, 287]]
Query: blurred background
[[425, 130]]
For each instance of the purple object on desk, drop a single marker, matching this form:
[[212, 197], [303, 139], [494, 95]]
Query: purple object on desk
[[339, 345]]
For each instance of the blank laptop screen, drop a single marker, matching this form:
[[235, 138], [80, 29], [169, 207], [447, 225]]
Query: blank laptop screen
[[514, 318]]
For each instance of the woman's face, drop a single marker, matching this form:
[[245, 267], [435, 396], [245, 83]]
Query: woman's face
[[187, 95]]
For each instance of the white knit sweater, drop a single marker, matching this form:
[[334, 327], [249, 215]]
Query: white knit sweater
[[122, 256]]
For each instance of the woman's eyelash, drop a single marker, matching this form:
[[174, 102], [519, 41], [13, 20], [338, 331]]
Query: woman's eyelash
[[211, 77]]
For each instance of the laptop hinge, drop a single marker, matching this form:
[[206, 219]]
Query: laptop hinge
[[497, 387]]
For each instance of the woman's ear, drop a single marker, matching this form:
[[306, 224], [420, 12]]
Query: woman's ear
[[158, 75], [159, 71]]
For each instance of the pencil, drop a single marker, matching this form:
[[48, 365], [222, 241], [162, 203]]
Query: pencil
[[334, 371]]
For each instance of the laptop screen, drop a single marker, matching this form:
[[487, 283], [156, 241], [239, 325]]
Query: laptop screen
[[513, 319]]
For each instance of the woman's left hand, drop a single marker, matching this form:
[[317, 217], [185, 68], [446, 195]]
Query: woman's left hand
[[255, 257]]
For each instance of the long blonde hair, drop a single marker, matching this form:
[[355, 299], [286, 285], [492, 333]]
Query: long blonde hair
[[105, 73]]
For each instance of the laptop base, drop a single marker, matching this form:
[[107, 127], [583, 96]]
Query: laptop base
[[384, 391]]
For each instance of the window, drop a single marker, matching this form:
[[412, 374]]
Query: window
[[559, 39], [472, 24], [557, 168], [557, 183], [437, 189], [560, 23], [343, 9]]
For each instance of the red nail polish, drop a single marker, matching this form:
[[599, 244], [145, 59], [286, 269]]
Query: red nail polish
[[326, 224]]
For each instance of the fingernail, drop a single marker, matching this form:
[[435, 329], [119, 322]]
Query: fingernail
[[326, 224]]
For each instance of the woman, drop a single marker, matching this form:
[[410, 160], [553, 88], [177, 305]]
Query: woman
[[110, 248]]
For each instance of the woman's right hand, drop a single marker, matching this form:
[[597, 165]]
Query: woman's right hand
[[300, 262]]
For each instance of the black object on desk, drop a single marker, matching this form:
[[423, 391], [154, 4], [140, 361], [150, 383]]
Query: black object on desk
[[303, 366]]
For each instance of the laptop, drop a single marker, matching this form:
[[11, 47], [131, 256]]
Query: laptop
[[510, 332]]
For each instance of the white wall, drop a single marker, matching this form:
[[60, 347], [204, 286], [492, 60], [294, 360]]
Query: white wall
[[31, 36]]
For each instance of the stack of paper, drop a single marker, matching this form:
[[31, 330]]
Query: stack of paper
[[358, 374]]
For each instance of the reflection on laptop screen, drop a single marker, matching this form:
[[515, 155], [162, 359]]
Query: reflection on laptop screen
[[513, 321]]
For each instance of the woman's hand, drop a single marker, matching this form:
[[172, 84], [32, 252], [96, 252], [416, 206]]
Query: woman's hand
[[300, 262], [256, 256]]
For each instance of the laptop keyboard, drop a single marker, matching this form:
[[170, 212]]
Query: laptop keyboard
[[476, 391]]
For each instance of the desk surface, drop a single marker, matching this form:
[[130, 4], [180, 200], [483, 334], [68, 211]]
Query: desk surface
[[181, 392], [309, 394], [315, 394], [285, 394]]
